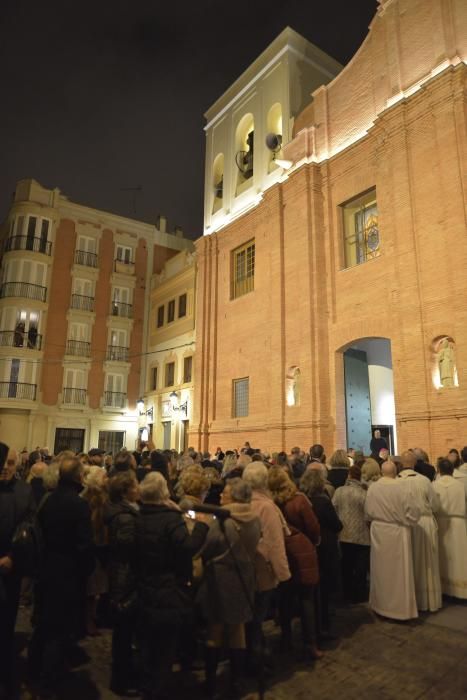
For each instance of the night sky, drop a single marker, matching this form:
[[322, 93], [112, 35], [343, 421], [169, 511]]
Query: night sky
[[102, 95]]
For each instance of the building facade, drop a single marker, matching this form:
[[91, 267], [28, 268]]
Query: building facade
[[73, 293], [333, 302], [168, 400]]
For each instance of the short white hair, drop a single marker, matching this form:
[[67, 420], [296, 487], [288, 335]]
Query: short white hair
[[153, 488], [256, 474], [94, 477], [50, 476]]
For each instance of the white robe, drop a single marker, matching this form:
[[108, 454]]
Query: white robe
[[425, 550], [452, 536], [392, 588]]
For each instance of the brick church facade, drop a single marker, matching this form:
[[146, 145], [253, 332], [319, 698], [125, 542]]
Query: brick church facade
[[352, 227]]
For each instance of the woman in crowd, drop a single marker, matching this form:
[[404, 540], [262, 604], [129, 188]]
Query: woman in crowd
[[163, 554], [454, 457], [226, 594], [121, 514], [349, 502], [303, 562], [371, 471], [95, 493], [339, 468], [313, 485], [36, 480]]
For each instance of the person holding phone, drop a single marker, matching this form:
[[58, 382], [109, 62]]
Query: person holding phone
[[16, 505]]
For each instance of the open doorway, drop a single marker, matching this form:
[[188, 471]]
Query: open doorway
[[369, 393]]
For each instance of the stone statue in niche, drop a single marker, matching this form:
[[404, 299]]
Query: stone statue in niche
[[446, 362], [296, 387]]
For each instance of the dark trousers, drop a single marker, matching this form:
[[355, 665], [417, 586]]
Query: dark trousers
[[355, 566], [10, 586], [299, 598], [158, 651], [122, 652], [254, 628]]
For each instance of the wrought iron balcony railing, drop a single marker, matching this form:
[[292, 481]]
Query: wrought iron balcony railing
[[79, 348], [117, 353], [18, 390], [19, 339], [23, 289], [114, 399], [82, 303], [82, 257], [74, 396], [118, 308], [36, 245]]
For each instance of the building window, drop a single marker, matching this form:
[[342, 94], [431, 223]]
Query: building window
[[111, 440], [160, 316], [243, 269], [361, 232], [124, 254], [240, 397], [171, 311], [187, 369], [153, 379], [170, 374], [182, 305]]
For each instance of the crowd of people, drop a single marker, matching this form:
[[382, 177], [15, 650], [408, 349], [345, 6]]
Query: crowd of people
[[190, 552]]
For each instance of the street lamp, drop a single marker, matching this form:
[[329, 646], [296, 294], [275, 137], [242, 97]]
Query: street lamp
[[176, 406]]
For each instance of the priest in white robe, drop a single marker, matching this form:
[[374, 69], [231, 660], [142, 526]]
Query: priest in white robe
[[452, 525], [392, 516], [425, 551]]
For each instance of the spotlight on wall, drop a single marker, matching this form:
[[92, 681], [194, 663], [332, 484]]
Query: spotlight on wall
[[176, 406]]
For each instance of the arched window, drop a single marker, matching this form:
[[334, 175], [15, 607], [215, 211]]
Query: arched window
[[292, 386], [218, 182], [274, 126], [444, 369], [244, 152]]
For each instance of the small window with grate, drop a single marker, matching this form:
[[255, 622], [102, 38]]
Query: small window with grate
[[243, 270], [361, 230], [160, 316], [182, 305], [171, 311], [240, 397]]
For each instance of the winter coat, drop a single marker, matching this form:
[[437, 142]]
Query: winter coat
[[271, 558], [328, 550], [16, 505], [349, 502], [300, 544], [337, 476], [228, 572], [163, 553], [120, 519]]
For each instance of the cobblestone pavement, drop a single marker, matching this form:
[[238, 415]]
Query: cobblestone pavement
[[374, 659]]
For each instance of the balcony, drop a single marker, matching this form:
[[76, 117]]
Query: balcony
[[82, 303], [23, 289], [118, 308], [117, 353], [114, 399], [78, 348], [74, 397], [36, 245], [18, 390], [82, 257], [32, 340], [124, 266]]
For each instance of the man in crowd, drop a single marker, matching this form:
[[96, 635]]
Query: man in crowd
[[96, 456], [422, 465], [388, 507], [452, 531], [16, 506], [68, 560], [461, 472], [377, 443], [424, 535]]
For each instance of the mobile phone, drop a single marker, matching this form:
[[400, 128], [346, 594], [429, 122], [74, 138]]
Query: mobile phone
[[191, 514]]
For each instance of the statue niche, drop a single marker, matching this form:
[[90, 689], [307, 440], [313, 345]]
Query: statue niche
[[292, 387], [445, 362]]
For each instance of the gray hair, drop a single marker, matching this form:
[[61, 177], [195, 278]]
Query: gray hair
[[240, 491], [153, 488], [256, 475], [50, 476]]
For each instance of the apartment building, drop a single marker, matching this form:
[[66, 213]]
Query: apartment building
[[73, 293]]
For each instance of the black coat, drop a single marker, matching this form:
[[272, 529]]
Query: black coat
[[120, 519], [425, 469], [65, 520], [328, 550], [337, 476], [16, 505], [163, 554]]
